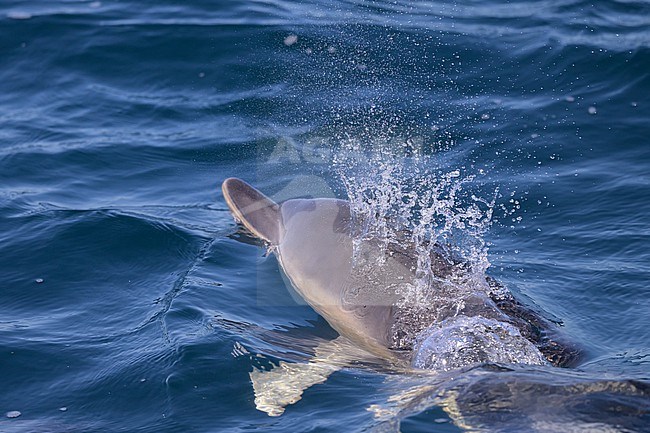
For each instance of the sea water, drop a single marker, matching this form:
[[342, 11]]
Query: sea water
[[126, 294]]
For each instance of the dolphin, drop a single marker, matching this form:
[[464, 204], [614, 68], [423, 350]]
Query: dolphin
[[360, 294]]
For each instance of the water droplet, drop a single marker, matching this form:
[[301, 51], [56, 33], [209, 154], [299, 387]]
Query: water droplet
[[290, 40], [63, 409], [39, 280], [13, 414], [592, 110], [570, 98]]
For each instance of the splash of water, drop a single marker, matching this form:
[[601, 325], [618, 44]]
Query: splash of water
[[401, 199], [462, 340], [399, 195]]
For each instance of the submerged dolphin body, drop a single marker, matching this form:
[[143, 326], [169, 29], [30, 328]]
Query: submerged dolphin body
[[360, 296]]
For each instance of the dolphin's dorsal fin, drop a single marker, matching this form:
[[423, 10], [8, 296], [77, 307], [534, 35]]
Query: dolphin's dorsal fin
[[254, 210]]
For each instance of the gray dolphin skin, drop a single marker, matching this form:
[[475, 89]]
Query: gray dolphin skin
[[313, 241]]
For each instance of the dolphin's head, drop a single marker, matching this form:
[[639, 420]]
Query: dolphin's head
[[312, 240], [310, 237]]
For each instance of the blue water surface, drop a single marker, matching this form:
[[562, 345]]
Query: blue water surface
[[124, 286]]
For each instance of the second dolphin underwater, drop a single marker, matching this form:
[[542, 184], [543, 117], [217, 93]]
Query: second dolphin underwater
[[360, 297]]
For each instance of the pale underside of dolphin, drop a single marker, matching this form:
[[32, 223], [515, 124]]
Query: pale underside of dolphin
[[357, 295]]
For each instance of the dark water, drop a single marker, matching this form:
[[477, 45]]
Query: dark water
[[123, 288]]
